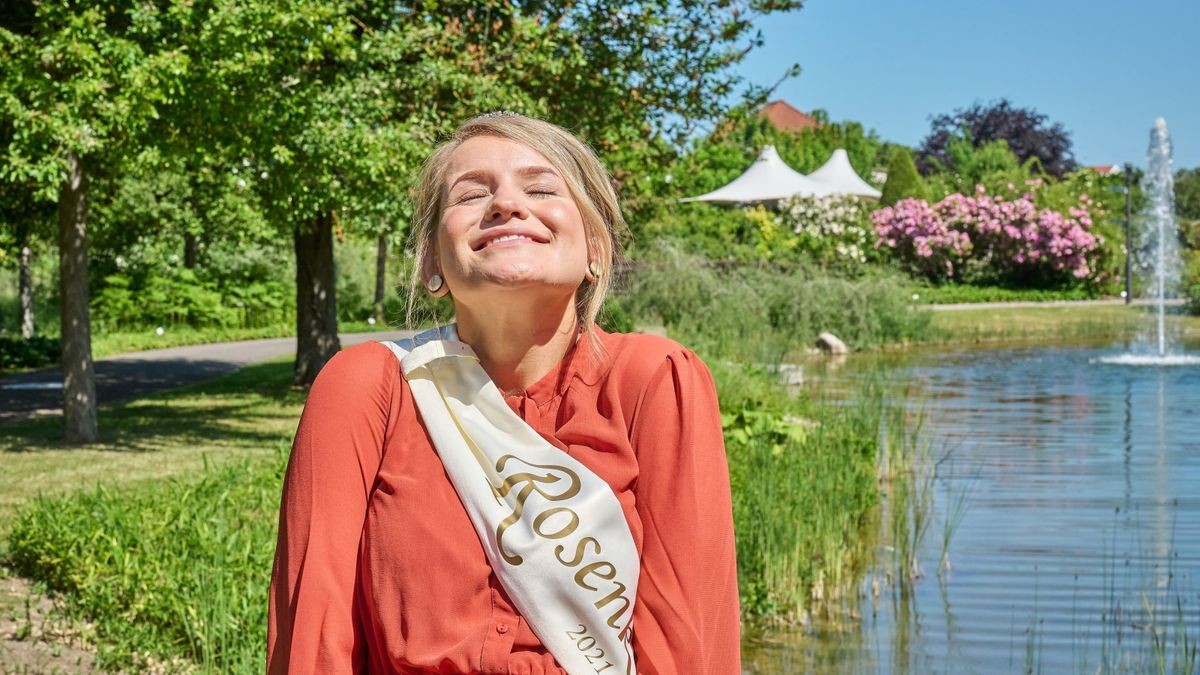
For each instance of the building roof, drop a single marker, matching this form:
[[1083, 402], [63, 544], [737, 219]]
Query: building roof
[[1106, 169], [784, 117]]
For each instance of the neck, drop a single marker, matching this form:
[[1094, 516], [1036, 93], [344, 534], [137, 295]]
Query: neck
[[518, 340]]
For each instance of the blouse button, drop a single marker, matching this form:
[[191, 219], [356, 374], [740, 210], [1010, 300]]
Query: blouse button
[[502, 628]]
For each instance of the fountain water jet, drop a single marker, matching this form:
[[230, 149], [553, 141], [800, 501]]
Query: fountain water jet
[[1159, 224], [1158, 230]]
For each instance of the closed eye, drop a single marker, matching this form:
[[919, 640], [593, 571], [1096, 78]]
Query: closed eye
[[541, 190], [470, 196]]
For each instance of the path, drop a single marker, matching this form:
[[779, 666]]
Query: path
[[126, 376], [956, 306]]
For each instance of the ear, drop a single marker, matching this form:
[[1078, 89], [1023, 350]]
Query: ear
[[430, 268]]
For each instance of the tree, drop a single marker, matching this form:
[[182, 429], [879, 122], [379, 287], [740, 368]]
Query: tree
[[1028, 133], [1187, 194], [76, 90], [903, 181]]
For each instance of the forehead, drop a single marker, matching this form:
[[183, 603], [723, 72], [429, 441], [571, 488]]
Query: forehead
[[494, 154]]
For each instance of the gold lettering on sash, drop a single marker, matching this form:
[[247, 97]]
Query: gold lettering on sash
[[558, 551], [593, 568], [568, 528], [557, 483], [530, 483]]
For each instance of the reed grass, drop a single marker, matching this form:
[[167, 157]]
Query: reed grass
[[765, 314]]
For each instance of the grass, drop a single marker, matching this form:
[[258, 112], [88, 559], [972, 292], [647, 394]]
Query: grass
[[248, 413], [109, 344], [764, 314], [1051, 323], [804, 485], [953, 293]]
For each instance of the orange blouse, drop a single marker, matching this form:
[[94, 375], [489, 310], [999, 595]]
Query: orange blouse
[[378, 568]]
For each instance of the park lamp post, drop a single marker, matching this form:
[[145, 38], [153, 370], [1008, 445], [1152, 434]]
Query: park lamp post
[[1128, 232]]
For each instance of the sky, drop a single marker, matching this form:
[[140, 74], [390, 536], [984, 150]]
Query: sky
[[1104, 69]]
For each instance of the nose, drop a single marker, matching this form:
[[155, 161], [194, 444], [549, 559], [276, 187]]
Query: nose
[[508, 203]]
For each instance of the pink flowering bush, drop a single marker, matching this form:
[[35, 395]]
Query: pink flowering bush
[[989, 238]]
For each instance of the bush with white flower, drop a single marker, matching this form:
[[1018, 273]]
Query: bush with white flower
[[835, 230]]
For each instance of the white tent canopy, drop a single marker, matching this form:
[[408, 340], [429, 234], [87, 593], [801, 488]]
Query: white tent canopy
[[770, 179], [766, 180], [841, 178]]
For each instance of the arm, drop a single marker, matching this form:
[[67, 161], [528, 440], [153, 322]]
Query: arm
[[313, 623], [687, 618]]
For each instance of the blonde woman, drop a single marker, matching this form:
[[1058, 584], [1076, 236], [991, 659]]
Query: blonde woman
[[519, 492]]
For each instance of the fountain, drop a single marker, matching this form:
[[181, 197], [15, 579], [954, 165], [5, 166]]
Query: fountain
[[1158, 234]]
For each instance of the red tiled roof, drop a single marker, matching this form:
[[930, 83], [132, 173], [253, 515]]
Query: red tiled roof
[[1106, 169], [784, 117]]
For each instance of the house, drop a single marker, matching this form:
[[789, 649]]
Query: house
[[784, 117]]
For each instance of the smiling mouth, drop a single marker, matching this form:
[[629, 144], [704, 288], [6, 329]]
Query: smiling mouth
[[508, 238]]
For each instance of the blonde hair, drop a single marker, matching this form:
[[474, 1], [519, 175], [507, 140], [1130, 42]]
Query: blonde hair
[[585, 176]]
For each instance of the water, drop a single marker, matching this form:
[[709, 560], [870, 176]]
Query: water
[[1079, 545], [1157, 231]]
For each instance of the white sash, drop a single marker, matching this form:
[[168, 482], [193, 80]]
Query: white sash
[[553, 531]]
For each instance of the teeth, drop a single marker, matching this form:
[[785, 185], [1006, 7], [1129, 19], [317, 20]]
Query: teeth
[[508, 237]]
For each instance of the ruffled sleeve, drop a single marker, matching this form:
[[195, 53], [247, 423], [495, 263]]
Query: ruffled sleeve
[[315, 625], [687, 617]]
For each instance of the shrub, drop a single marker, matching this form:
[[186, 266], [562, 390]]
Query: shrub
[[834, 231], [34, 352], [903, 181], [985, 238], [759, 313]]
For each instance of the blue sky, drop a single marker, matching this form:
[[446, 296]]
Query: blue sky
[[1105, 69]]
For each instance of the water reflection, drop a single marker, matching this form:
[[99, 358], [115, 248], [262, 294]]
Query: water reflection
[[1079, 546]]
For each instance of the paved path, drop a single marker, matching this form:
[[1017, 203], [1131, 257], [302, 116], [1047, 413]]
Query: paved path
[[119, 378], [956, 306]]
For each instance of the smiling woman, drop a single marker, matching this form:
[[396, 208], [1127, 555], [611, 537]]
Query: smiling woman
[[518, 492]]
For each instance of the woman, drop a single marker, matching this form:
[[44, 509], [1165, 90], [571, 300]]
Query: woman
[[617, 536]]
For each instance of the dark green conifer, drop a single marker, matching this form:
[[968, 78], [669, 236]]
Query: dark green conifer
[[903, 181]]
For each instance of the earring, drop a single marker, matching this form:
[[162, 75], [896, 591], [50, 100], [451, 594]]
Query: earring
[[434, 284], [593, 271]]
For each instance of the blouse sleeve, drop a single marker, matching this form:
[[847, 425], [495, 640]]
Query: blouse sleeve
[[687, 618], [313, 623]]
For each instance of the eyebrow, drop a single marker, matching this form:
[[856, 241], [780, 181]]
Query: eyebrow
[[524, 172]]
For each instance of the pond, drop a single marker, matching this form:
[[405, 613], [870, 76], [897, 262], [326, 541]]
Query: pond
[[1068, 489]]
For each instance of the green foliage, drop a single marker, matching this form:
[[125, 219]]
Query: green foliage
[[1187, 194], [991, 165], [185, 298], [758, 314], [804, 481], [173, 569], [35, 352], [966, 293], [903, 181], [834, 231], [1191, 281]]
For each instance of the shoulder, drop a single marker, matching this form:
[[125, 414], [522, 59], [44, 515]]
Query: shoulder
[[635, 352], [637, 361], [364, 372]]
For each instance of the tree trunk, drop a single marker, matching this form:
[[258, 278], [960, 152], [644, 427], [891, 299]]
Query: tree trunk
[[380, 275], [79, 380], [191, 247], [25, 282], [316, 299]]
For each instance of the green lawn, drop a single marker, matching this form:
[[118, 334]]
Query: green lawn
[[249, 413], [1051, 323]]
